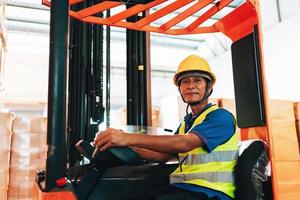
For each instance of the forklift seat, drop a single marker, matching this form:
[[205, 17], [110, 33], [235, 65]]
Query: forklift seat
[[252, 181]]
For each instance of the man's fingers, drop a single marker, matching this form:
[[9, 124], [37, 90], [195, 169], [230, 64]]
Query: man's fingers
[[102, 142], [109, 138], [100, 135], [106, 146]]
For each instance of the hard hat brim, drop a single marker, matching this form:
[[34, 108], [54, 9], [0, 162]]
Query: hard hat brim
[[180, 76], [192, 73]]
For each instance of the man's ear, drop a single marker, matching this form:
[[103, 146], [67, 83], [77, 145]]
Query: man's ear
[[178, 87], [210, 88]]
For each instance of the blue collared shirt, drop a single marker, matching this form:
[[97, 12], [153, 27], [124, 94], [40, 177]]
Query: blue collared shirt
[[216, 129]]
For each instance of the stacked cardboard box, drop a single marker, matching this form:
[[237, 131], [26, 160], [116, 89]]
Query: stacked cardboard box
[[286, 152], [297, 117], [283, 128], [155, 117], [5, 141], [3, 42], [28, 153]]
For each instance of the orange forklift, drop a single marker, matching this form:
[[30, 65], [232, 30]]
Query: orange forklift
[[76, 49]]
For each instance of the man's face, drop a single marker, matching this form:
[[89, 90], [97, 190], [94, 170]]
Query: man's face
[[192, 88]]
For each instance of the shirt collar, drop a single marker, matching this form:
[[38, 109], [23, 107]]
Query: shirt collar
[[191, 117]]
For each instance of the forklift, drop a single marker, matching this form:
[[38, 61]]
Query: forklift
[[76, 68]]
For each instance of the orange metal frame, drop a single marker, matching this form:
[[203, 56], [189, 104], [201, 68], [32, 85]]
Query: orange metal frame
[[62, 194], [236, 24]]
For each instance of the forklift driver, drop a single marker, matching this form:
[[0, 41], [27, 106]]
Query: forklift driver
[[206, 141]]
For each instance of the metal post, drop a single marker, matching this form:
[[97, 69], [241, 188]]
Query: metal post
[[108, 72], [56, 140], [138, 80], [131, 74], [76, 87], [278, 10]]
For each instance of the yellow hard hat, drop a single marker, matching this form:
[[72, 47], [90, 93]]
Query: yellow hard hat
[[196, 65]]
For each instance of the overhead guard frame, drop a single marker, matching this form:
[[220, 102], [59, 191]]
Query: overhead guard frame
[[234, 29]]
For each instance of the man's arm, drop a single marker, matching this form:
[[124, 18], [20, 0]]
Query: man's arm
[[153, 155], [162, 143]]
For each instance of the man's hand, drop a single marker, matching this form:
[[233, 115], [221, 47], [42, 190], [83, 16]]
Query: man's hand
[[110, 138], [169, 144]]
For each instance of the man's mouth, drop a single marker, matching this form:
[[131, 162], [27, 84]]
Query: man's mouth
[[191, 93]]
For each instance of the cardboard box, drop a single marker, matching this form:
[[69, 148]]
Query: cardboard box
[[5, 159], [3, 192], [38, 124], [21, 175], [28, 159], [288, 180], [22, 191], [6, 119], [281, 110], [4, 177], [285, 140], [30, 141], [297, 110], [30, 124], [297, 116], [5, 141], [21, 124]]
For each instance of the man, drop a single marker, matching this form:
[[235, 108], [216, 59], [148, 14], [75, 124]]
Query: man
[[206, 142]]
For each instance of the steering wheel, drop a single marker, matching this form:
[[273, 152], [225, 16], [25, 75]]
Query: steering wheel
[[125, 154], [112, 156]]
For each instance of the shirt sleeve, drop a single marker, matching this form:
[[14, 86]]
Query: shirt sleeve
[[216, 128]]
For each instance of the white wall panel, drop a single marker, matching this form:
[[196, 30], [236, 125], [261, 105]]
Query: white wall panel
[[288, 8], [269, 13], [281, 50], [26, 68]]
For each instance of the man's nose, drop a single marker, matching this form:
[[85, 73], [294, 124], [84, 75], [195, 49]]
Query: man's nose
[[191, 84]]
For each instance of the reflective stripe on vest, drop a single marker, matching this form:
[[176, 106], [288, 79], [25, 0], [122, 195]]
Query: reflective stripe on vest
[[208, 176], [212, 170], [194, 159]]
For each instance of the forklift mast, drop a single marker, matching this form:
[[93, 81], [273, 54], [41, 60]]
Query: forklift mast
[[242, 25]]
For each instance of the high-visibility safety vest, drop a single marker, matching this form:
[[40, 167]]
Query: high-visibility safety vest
[[212, 170]]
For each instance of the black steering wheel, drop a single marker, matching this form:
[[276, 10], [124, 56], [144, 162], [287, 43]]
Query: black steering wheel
[[116, 156], [127, 155], [112, 157]]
